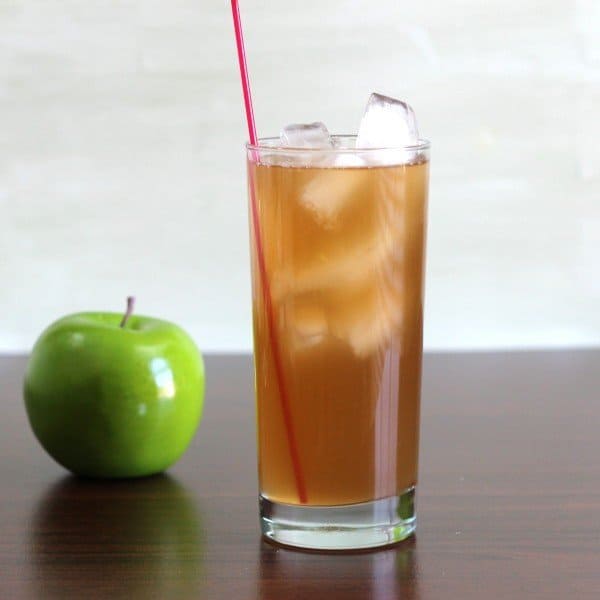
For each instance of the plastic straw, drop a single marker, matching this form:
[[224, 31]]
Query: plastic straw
[[285, 403]]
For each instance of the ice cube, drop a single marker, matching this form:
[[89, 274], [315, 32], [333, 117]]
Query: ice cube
[[387, 123], [364, 311], [368, 316], [342, 270], [330, 191], [298, 136], [349, 253], [348, 285], [307, 323], [306, 135], [347, 160]]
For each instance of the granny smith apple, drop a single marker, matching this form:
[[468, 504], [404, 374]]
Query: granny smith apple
[[109, 395]]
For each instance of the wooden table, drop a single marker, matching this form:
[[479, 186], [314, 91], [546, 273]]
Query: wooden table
[[508, 505]]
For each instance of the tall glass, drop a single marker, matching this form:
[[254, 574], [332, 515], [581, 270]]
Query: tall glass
[[337, 251]]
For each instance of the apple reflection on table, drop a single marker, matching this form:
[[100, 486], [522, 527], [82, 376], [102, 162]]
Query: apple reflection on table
[[145, 533]]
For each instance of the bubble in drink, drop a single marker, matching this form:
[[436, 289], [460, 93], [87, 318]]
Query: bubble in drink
[[306, 135], [387, 123]]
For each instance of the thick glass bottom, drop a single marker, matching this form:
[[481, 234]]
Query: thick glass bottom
[[346, 527]]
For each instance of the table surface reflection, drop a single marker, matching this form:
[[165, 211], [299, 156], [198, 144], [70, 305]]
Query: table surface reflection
[[508, 503]]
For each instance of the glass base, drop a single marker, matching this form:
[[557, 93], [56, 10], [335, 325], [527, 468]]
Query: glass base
[[345, 527]]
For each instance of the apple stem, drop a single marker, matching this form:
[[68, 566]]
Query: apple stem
[[128, 311]]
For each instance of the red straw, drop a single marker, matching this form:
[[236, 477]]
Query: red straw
[[285, 403]]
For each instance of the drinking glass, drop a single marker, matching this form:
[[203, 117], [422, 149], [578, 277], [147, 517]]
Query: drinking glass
[[337, 256]]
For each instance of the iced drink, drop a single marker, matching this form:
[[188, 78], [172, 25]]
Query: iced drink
[[343, 251], [337, 246], [346, 291]]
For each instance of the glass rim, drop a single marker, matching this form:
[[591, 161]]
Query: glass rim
[[272, 144]]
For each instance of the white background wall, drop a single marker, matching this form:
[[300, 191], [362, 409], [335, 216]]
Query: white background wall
[[121, 162]]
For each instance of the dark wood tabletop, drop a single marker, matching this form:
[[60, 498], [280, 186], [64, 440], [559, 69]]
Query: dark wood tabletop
[[508, 500]]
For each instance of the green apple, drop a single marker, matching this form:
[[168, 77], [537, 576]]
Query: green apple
[[114, 396]]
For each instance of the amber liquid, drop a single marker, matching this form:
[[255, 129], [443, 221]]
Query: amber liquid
[[343, 254]]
